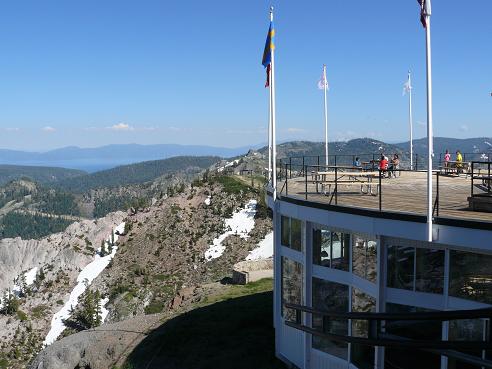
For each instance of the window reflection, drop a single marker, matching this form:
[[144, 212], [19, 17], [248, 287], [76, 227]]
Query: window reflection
[[295, 227], [395, 358], [285, 231], [466, 330], [429, 270], [400, 267], [331, 249], [291, 233], [416, 269], [364, 258], [291, 286], [470, 276], [331, 297], [362, 356]]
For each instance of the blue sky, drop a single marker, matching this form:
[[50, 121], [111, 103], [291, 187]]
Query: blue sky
[[94, 72]]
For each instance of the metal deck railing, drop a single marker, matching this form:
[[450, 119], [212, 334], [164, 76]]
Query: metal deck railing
[[377, 330]]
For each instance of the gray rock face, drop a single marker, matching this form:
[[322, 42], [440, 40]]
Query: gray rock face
[[18, 255], [98, 348]]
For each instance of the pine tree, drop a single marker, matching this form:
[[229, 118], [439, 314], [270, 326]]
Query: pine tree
[[10, 303], [103, 248]]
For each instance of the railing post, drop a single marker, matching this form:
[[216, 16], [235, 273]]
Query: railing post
[[303, 167], [437, 194], [318, 162], [416, 161], [488, 178], [373, 159], [305, 179], [472, 175], [336, 183], [335, 160], [290, 166], [286, 180], [280, 166], [380, 191]]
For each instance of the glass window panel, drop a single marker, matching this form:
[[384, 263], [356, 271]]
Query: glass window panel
[[470, 276], [466, 330], [285, 231], [395, 358], [364, 258], [429, 270], [362, 356], [333, 297], [321, 247], [400, 267], [291, 286], [340, 250], [295, 227]]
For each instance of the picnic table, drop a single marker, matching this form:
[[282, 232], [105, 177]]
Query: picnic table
[[453, 167], [359, 177]]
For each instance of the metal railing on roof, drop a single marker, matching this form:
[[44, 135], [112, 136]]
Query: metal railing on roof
[[327, 180], [377, 330]]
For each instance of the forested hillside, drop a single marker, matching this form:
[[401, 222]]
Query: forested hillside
[[39, 174], [139, 173]]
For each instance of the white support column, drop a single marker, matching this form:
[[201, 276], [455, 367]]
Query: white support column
[[274, 140], [410, 118], [326, 114], [430, 140]]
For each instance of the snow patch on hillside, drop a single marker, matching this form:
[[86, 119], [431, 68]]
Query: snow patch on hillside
[[241, 223], [264, 249], [29, 277], [85, 278], [104, 311]]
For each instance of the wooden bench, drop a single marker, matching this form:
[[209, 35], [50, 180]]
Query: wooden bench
[[368, 185]]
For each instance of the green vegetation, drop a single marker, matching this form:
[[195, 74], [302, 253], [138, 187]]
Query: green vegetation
[[138, 173], [235, 330], [231, 184], [38, 174], [59, 203], [88, 314], [155, 307], [30, 226], [110, 203], [10, 304], [13, 191], [40, 311]]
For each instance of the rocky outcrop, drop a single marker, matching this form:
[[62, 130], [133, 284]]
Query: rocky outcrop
[[72, 249], [97, 348]]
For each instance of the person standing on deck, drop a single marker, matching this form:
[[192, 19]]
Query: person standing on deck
[[459, 162]]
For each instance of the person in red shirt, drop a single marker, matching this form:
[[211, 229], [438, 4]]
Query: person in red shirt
[[383, 163]]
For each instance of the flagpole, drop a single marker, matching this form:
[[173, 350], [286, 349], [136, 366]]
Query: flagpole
[[270, 132], [410, 119], [430, 153], [274, 141], [326, 116]]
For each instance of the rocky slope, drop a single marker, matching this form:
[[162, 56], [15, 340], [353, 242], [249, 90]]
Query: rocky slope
[[159, 266], [53, 263]]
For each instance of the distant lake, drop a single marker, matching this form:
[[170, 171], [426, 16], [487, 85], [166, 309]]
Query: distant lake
[[88, 165]]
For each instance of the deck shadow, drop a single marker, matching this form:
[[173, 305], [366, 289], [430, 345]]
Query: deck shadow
[[236, 333]]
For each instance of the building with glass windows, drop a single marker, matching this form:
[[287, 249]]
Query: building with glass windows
[[345, 252]]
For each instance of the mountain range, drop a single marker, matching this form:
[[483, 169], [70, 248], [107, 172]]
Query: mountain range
[[105, 157]]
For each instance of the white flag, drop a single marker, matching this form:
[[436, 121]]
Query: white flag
[[322, 83], [407, 87]]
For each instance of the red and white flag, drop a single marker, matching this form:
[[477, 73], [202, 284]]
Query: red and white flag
[[425, 10]]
